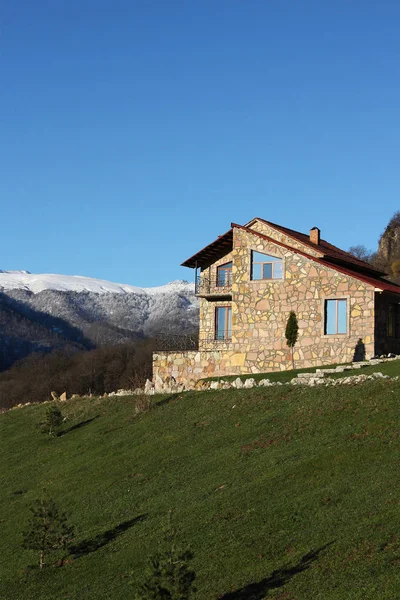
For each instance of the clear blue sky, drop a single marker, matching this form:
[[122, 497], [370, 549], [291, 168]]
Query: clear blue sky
[[133, 132]]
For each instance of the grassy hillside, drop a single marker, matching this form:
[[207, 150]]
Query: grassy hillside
[[287, 493]]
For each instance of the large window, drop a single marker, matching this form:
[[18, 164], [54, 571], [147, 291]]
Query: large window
[[223, 323], [224, 275], [335, 316], [264, 266]]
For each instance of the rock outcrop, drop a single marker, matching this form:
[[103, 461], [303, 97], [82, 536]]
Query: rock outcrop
[[388, 255]]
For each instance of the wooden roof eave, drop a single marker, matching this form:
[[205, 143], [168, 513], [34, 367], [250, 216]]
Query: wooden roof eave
[[212, 252]]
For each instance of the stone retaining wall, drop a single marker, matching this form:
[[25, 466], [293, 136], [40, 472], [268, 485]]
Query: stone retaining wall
[[186, 382], [186, 366]]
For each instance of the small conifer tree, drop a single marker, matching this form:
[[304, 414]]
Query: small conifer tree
[[53, 421], [48, 530], [292, 333], [169, 576]]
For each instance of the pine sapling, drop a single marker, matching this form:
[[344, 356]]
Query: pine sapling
[[48, 530], [53, 421], [169, 576], [292, 333]]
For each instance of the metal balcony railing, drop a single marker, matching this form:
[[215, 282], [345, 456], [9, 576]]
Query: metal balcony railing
[[166, 342], [220, 286]]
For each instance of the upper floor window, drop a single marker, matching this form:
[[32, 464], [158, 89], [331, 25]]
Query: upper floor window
[[224, 274], [223, 323], [264, 266], [335, 316]]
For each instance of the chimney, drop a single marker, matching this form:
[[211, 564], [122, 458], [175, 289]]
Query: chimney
[[315, 235]]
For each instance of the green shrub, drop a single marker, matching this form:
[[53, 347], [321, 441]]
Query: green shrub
[[53, 421], [169, 576], [292, 332], [48, 530]]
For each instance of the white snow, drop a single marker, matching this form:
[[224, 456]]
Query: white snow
[[174, 286], [36, 283], [21, 272]]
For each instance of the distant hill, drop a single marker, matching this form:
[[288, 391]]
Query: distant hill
[[43, 312], [24, 330]]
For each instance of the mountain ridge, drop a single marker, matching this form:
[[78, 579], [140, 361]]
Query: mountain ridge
[[43, 312], [39, 282]]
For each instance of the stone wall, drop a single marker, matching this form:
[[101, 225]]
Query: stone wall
[[265, 229], [187, 366]]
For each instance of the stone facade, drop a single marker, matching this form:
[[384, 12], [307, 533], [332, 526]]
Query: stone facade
[[261, 227], [260, 309]]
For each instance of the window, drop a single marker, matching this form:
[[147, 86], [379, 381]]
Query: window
[[224, 275], [223, 323], [264, 266], [335, 317]]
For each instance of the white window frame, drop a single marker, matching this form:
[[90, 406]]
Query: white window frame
[[324, 323], [279, 259]]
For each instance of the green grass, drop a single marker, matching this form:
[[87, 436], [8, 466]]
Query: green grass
[[281, 376], [391, 368], [297, 481]]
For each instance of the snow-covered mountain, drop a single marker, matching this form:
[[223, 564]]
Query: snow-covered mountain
[[24, 280], [47, 311]]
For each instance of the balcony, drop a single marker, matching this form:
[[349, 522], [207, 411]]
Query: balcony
[[221, 287]]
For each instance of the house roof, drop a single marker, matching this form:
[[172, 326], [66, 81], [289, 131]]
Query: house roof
[[377, 282], [218, 248], [329, 251], [330, 256]]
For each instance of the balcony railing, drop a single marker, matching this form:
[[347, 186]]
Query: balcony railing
[[220, 286], [166, 342]]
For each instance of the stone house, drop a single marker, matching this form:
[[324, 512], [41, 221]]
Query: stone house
[[251, 277]]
